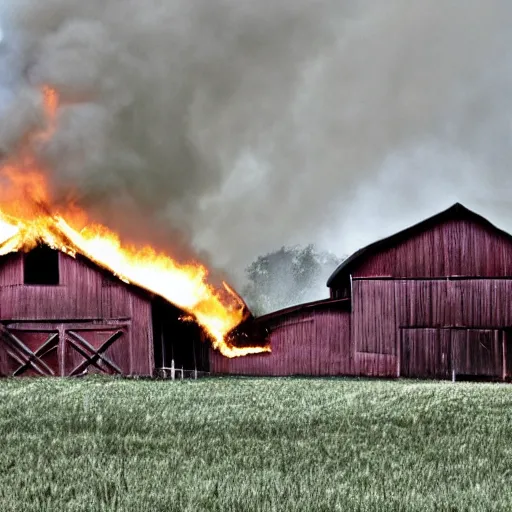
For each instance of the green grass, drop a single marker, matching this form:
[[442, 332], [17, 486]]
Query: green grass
[[254, 445]]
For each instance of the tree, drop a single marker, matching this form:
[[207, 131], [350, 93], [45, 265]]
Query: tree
[[288, 276]]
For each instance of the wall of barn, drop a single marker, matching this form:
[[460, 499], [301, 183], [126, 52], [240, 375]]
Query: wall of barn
[[384, 307], [457, 247], [85, 295], [303, 343]]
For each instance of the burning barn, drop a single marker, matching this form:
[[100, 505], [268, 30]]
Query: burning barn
[[308, 339], [63, 315], [74, 299], [432, 301]]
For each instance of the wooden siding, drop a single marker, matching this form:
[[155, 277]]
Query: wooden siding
[[303, 343], [425, 353], [374, 304], [483, 303], [412, 327], [11, 272], [458, 247], [411, 313], [86, 298], [141, 350], [477, 352], [373, 328], [398, 327], [436, 353]]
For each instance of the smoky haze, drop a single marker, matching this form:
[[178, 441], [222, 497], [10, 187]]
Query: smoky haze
[[228, 128]]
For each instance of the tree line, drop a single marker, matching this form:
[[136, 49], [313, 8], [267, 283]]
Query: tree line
[[288, 276]]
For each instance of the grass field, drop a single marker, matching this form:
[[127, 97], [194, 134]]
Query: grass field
[[254, 445]]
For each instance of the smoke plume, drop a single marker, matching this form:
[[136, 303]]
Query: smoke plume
[[235, 127]]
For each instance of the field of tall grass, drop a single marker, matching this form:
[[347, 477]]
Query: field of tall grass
[[229, 444]]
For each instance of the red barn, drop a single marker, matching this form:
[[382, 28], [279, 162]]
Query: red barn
[[433, 300], [309, 339], [66, 316]]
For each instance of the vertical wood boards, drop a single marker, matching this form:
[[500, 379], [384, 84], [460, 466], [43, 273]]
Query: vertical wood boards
[[462, 321], [89, 302], [458, 247], [425, 353], [436, 353], [305, 342]]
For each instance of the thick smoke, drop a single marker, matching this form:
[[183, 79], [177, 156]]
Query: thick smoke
[[237, 126]]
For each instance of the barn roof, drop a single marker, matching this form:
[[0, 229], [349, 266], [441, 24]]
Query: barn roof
[[454, 212], [308, 306], [6, 249]]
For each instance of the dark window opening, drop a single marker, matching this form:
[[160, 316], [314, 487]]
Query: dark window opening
[[41, 266]]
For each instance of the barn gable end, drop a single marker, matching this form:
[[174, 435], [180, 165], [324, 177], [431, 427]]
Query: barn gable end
[[87, 320], [98, 323], [456, 242], [433, 300]]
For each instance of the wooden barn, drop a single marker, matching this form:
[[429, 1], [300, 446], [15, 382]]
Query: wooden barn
[[305, 340], [432, 301], [66, 316]]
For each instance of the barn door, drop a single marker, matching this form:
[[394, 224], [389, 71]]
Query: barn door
[[29, 353], [63, 350], [436, 352], [477, 352], [424, 353], [95, 351]]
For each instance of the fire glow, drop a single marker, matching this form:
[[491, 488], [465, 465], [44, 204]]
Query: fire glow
[[28, 218]]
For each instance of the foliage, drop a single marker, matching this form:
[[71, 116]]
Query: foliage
[[288, 276], [231, 444]]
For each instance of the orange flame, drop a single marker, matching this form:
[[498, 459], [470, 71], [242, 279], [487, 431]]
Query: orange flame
[[50, 102], [28, 218]]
